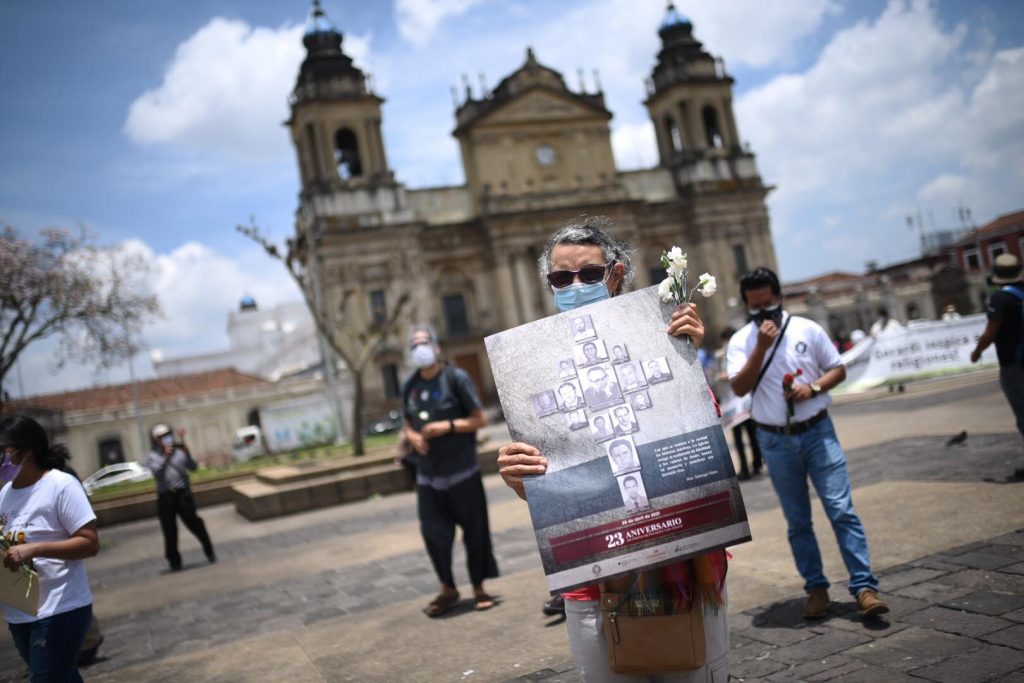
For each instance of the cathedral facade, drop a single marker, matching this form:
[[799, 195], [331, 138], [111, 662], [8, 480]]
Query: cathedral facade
[[535, 155]]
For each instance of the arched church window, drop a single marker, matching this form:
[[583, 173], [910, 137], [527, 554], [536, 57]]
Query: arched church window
[[711, 129], [311, 151], [346, 154], [674, 136]]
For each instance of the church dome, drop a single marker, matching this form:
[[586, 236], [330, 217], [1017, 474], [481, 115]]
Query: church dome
[[248, 303]]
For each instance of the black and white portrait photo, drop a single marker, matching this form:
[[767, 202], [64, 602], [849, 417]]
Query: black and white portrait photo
[[630, 377], [634, 496], [657, 370], [601, 427], [566, 368], [623, 420], [590, 353], [569, 396], [544, 403], [582, 328], [577, 419], [640, 400], [620, 354], [602, 389], [622, 456]]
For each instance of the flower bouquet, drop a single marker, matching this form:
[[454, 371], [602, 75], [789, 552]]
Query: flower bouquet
[[673, 288], [10, 538], [787, 386]]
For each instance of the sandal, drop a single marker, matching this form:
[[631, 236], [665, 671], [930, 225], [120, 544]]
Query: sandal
[[441, 604], [483, 601]]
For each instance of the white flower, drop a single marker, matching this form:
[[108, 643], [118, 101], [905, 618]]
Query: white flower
[[676, 261], [665, 290], [707, 285]]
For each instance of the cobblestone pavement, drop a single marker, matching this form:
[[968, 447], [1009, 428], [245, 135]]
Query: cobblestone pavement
[[946, 605], [957, 617]]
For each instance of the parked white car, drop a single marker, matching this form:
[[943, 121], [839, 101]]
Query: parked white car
[[248, 444], [118, 473]]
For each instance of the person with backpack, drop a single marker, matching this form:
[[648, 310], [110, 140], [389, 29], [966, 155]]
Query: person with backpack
[[442, 414], [1005, 314]]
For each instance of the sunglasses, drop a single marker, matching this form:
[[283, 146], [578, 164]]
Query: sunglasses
[[588, 275]]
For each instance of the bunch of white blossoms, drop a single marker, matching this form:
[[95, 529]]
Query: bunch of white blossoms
[[673, 288]]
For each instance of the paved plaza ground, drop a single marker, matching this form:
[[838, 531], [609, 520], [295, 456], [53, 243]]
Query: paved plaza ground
[[336, 594]]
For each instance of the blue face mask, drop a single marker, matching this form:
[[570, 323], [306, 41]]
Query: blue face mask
[[578, 295]]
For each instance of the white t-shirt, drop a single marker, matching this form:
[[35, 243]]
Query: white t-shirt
[[52, 509], [805, 346]]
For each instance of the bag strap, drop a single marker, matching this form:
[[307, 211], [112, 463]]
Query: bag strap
[[764, 368]]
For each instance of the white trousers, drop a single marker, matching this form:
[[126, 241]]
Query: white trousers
[[589, 649]]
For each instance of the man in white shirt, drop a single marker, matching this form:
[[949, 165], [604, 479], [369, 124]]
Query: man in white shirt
[[760, 355]]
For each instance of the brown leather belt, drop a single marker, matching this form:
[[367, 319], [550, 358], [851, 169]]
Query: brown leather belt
[[794, 427]]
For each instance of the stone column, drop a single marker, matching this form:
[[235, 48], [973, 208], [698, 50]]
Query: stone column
[[525, 288], [733, 136], [509, 310]]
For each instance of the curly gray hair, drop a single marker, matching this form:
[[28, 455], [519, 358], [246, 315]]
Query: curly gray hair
[[594, 230]]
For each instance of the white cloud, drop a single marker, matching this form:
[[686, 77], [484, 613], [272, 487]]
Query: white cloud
[[634, 145], [226, 91], [947, 189], [894, 109], [197, 288], [418, 20], [754, 32]]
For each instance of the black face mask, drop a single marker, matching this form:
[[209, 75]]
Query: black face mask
[[773, 313]]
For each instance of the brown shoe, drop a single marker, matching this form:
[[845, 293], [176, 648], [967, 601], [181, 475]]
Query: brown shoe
[[870, 604], [817, 603]]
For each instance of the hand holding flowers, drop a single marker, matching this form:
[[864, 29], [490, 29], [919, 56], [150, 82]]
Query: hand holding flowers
[[673, 289], [17, 554], [787, 390]]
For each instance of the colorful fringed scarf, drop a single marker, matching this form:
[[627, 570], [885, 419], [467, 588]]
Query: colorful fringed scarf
[[679, 587]]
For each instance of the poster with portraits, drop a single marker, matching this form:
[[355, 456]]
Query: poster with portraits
[[639, 473]]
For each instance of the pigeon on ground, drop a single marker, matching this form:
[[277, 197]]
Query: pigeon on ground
[[958, 440]]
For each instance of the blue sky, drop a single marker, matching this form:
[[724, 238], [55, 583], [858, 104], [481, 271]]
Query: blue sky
[[158, 124]]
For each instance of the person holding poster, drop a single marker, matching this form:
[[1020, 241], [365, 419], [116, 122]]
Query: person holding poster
[[796, 435], [48, 517], [442, 415], [583, 263]]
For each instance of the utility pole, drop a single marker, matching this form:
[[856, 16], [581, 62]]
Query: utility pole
[[138, 409]]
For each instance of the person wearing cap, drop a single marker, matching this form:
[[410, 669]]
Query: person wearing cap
[[442, 415], [797, 438], [171, 463], [1004, 328]]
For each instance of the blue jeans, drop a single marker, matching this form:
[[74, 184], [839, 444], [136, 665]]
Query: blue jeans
[[50, 646], [817, 454]]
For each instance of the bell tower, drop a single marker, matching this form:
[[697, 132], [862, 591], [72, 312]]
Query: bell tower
[[689, 98], [335, 117]]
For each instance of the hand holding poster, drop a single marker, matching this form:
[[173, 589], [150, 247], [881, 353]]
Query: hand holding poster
[[650, 479]]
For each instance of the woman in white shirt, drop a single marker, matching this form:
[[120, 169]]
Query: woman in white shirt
[[48, 518]]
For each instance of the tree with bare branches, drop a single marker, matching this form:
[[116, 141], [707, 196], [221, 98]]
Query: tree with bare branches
[[354, 344], [94, 299]]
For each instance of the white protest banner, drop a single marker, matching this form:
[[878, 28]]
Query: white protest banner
[[923, 349], [639, 472]]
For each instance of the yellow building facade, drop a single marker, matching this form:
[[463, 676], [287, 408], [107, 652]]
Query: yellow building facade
[[535, 155]]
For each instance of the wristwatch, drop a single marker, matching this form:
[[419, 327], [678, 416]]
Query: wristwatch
[[451, 426], [815, 389]]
